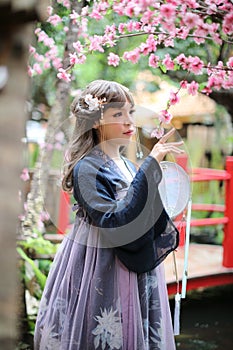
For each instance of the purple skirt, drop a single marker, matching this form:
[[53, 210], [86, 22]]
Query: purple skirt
[[92, 301]]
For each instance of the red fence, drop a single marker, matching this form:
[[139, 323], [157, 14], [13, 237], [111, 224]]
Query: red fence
[[206, 174]]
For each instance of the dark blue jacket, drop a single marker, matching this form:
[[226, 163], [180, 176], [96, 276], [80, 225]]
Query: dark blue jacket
[[136, 226]]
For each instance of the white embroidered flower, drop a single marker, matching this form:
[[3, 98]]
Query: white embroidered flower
[[43, 306], [92, 102], [151, 284], [50, 339], [157, 335], [108, 332]]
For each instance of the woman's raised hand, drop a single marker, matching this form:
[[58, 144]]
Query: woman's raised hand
[[162, 147]]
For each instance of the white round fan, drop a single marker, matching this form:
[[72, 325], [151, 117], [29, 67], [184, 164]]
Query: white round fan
[[174, 188]]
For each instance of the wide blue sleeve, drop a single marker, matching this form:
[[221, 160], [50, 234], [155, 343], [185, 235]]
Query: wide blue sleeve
[[125, 219]]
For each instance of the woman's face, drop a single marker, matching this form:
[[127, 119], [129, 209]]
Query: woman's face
[[118, 124]]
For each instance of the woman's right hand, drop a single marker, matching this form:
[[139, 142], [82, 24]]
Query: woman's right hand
[[162, 147]]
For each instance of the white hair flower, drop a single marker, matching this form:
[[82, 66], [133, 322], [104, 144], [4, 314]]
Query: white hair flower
[[92, 102]]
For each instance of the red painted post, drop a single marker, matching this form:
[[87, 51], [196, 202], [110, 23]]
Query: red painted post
[[228, 228], [63, 212]]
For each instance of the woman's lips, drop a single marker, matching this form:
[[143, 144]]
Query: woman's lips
[[129, 132]]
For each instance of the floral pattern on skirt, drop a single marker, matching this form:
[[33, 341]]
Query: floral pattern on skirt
[[92, 301]]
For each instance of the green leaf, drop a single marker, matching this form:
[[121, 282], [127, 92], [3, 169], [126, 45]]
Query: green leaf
[[163, 68], [39, 275], [202, 86]]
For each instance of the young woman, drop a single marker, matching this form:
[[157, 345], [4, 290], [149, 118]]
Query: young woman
[[106, 288]]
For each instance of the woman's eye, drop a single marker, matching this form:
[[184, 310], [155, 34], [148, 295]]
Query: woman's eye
[[117, 115], [132, 111]]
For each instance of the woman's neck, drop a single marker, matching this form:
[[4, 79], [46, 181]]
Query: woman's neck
[[111, 149]]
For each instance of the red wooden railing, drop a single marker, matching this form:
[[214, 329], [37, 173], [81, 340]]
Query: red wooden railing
[[228, 228], [206, 174], [197, 175]]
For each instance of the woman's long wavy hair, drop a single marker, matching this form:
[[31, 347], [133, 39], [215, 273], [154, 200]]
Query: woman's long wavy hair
[[85, 137]]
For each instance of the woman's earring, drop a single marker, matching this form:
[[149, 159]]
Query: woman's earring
[[102, 129], [139, 153]]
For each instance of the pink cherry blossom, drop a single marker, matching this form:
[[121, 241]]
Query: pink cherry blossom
[[38, 58], [46, 64], [109, 40], [158, 132], [182, 32], [74, 16], [52, 53], [192, 88], [206, 90], [192, 4], [81, 59], [57, 62], [228, 24], [84, 11], [129, 10], [96, 15], [151, 42], [119, 8], [168, 11], [167, 61], [169, 42], [195, 65], [121, 28], [183, 84], [25, 175], [21, 217], [44, 216], [30, 71], [182, 61], [41, 34], [54, 20], [144, 49], [49, 10], [66, 3], [153, 61], [32, 49], [165, 22], [165, 117], [230, 63], [113, 59], [173, 98], [132, 56], [37, 31], [147, 16], [83, 27], [96, 43], [43, 37], [110, 29], [212, 8], [73, 58], [78, 46], [130, 26], [37, 68], [63, 75], [191, 20]]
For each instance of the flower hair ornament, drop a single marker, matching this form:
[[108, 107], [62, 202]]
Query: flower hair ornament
[[95, 104]]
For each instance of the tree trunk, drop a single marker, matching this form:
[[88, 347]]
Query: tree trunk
[[58, 114]]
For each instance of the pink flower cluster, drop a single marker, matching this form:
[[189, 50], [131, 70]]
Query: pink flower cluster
[[162, 24]]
